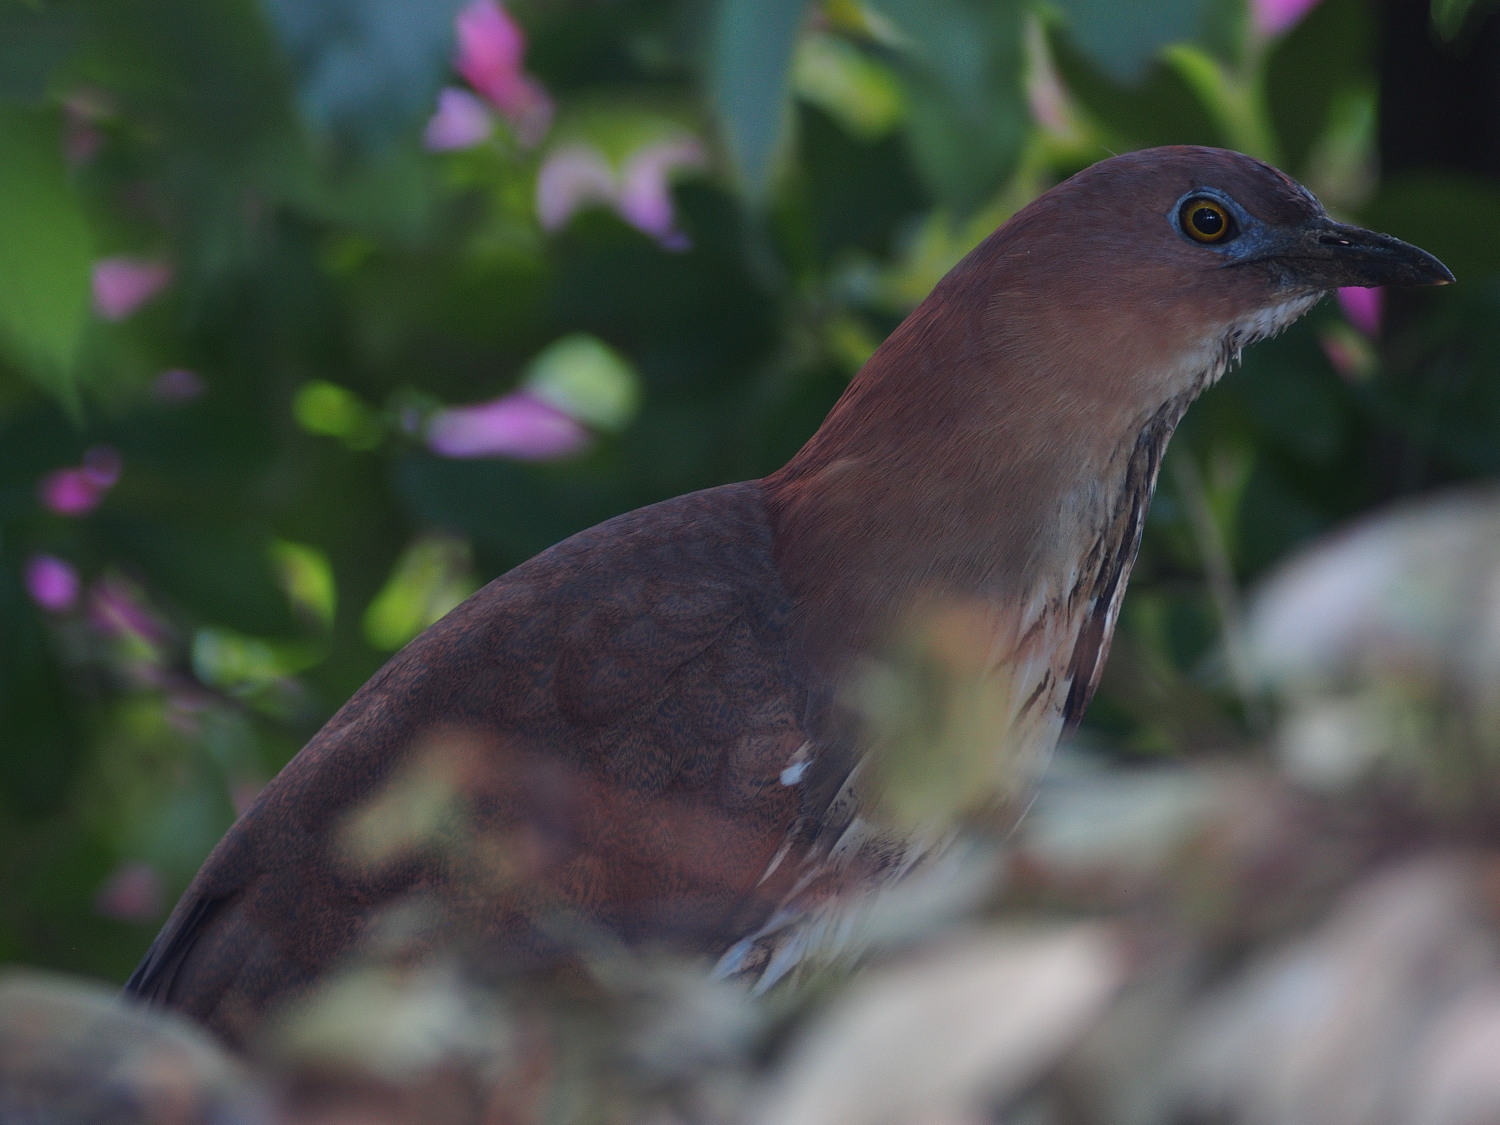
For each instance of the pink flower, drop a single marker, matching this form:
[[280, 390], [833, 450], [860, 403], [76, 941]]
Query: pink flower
[[645, 199], [1276, 17], [74, 491], [571, 178], [520, 425], [490, 49], [134, 893], [177, 385], [122, 285], [575, 176], [52, 583], [461, 121], [1362, 308]]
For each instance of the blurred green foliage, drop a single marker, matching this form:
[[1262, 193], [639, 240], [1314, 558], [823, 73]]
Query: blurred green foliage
[[758, 193]]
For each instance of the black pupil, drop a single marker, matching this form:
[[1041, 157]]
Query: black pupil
[[1206, 220]]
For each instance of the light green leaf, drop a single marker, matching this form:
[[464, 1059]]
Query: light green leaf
[[845, 82], [749, 76], [432, 576], [588, 380], [44, 250]]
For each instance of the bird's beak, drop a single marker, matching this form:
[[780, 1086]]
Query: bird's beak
[[1323, 254]]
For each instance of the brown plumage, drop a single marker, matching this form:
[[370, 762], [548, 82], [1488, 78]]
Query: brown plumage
[[642, 734]]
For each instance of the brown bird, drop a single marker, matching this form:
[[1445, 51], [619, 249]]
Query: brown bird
[[645, 734]]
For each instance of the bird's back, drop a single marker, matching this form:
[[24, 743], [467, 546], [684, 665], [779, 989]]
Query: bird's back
[[600, 733]]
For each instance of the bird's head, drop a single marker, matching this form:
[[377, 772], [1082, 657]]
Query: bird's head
[[1172, 253]]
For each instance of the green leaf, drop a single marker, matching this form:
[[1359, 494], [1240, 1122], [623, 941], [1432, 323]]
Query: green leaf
[[750, 66], [1123, 37], [366, 70], [44, 250], [962, 62]]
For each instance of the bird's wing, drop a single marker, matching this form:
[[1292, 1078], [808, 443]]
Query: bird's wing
[[611, 719]]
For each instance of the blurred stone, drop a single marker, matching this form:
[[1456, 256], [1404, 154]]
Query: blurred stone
[[939, 1037], [1383, 643], [71, 1053], [1337, 1027]]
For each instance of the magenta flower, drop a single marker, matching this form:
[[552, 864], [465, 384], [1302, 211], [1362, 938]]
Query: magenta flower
[[490, 48], [75, 491], [519, 425], [1363, 308], [1271, 18], [461, 121], [571, 178], [177, 385], [52, 583], [135, 892], [122, 285]]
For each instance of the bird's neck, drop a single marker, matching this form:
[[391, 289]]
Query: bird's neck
[[958, 467]]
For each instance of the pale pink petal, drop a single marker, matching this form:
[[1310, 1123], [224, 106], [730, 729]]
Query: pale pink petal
[[1363, 307], [571, 178], [645, 199], [134, 893], [461, 121], [490, 48], [177, 385], [519, 426], [122, 285], [52, 583], [1276, 17]]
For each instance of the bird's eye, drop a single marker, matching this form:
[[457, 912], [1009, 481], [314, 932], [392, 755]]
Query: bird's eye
[[1204, 220]]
